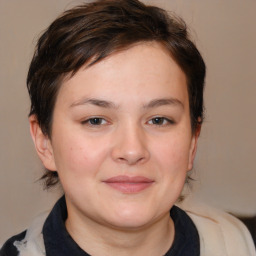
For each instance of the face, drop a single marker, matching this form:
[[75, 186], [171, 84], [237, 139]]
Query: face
[[121, 138]]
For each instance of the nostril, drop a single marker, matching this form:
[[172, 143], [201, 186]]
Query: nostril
[[130, 160], [121, 159]]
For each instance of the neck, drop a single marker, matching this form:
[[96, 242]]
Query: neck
[[97, 239]]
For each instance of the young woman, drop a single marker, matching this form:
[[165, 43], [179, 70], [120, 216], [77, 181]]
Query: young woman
[[116, 92]]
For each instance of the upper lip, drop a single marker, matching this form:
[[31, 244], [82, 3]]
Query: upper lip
[[128, 179]]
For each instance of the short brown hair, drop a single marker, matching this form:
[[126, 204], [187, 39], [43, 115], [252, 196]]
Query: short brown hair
[[88, 33]]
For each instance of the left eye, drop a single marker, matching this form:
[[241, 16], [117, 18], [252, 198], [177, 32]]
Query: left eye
[[160, 121], [95, 121]]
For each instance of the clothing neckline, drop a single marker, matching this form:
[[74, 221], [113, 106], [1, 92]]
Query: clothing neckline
[[58, 241]]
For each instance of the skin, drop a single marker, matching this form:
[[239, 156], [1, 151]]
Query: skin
[[126, 115]]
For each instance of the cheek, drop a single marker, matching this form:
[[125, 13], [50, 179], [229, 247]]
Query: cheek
[[78, 156], [173, 155]]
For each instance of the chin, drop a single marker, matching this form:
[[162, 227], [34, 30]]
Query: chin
[[132, 219], [130, 224]]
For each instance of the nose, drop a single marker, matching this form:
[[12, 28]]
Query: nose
[[130, 145]]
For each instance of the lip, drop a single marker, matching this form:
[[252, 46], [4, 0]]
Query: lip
[[129, 185]]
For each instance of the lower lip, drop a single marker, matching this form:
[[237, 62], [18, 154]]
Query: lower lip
[[129, 188]]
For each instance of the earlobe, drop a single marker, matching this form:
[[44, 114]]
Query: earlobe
[[193, 147], [42, 144]]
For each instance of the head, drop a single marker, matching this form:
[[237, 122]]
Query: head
[[88, 34]]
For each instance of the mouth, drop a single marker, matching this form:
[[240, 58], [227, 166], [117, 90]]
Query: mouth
[[129, 185]]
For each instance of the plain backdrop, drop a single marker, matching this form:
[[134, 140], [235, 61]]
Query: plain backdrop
[[225, 173]]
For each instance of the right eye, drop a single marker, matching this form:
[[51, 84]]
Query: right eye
[[95, 121], [161, 121]]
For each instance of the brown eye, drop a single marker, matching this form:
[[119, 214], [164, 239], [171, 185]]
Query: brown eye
[[158, 120], [95, 121], [161, 121]]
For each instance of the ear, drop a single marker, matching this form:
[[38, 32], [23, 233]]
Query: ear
[[42, 144], [193, 147]]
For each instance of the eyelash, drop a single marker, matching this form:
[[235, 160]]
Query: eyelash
[[156, 121], [163, 121], [90, 121]]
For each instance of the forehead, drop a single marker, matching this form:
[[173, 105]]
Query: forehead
[[132, 71]]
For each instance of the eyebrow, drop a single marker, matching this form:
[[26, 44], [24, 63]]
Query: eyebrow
[[163, 102], [108, 104], [95, 102]]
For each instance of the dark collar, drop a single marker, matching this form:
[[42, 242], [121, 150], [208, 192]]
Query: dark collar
[[58, 242]]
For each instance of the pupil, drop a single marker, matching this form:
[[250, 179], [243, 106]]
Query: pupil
[[95, 121], [157, 120]]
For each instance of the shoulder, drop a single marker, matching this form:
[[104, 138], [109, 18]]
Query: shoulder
[[219, 232], [9, 249]]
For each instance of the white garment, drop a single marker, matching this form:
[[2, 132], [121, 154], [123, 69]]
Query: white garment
[[220, 233], [33, 243]]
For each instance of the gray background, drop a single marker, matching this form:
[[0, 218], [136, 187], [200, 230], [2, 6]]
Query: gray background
[[225, 33]]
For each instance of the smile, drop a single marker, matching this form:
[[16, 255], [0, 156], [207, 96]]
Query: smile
[[129, 185]]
